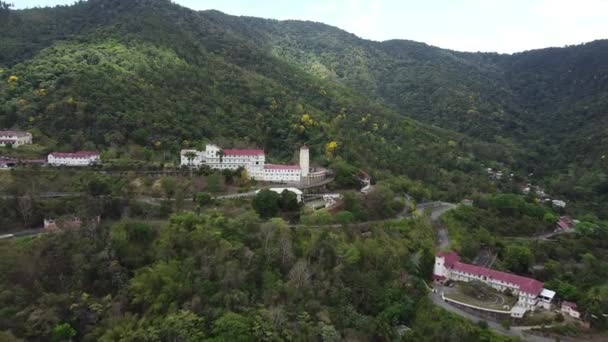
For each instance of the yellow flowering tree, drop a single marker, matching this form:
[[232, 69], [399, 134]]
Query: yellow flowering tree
[[330, 149]]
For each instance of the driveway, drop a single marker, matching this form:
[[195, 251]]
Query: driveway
[[519, 332]]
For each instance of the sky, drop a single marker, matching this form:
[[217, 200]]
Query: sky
[[504, 26]]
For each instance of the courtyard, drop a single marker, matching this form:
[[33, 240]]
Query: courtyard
[[481, 295]]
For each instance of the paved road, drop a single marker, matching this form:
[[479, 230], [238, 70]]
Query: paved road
[[437, 209], [23, 233]]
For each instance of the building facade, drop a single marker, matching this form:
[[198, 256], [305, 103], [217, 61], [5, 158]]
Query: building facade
[[252, 160], [81, 158], [530, 292], [15, 138]]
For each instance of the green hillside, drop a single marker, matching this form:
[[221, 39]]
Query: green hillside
[[161, 76]]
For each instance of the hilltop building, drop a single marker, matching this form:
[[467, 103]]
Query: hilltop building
[[15, 138], [530, 292], [252, 160], [81, 158]]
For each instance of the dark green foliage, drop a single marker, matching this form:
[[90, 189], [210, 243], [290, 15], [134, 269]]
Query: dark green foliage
[[203, 199], [288, 201], [267, 203], [218, 278]]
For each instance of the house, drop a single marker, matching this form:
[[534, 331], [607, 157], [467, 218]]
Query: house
[[558, 203], [570, 309], [565, 224], [467, 202], [81, 158], [68, 222], [530, 292], [15, 138], [253, 161], [63, 223], [7, 163]]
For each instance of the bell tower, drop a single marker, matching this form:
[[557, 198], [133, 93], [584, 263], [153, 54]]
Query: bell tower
[[304, 160]]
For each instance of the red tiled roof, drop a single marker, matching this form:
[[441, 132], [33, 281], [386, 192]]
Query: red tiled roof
[[527, 285], [79, 154], [281, 167], [236, 152], [565, 223], [569, 304], [13, 133], [450, 258]]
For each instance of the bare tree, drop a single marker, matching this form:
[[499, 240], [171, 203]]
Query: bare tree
[[299, 275], [26, 209]]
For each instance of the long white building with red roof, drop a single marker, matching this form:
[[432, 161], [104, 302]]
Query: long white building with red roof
[[252, 160], [80, 158], [530, 292]]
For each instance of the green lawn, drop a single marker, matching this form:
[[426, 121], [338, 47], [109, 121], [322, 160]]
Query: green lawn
[[495, 300]]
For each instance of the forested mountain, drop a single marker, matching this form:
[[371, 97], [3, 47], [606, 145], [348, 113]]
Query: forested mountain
[[108, 74], [140, 79], [164, 74]]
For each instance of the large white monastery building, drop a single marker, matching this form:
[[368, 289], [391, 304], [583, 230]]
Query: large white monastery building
[[15, 138], [530, 292], [252, 160], [81, 158]]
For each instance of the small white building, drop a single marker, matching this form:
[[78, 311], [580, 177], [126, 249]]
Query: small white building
[[15, 138], [81, 158], [571, 309], [558, 203]]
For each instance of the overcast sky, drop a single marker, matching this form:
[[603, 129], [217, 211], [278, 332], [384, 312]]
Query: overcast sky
[[465, 25]]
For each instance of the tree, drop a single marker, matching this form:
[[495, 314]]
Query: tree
[[25, 204], [289, 201], [203, 199], [232, 327], [63, 332], [518, 258], [190, 156], [266, 203], [215, 183], [169, 185], [380, 202], [98, 186]]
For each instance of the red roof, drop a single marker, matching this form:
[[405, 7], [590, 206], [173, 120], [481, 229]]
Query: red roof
[[13, 133], [450, 258], [527, 285], [281, 167], [79, 154], [565, 223], [236, 152], [569, 304]]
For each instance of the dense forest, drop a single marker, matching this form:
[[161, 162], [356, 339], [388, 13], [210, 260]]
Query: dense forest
[[139, 80]]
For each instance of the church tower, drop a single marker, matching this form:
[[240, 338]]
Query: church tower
[[304, 161]]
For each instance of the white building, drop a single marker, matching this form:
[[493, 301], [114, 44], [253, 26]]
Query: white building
[[558, 203], [252, 160], [570, 309], [530, 292], [192, 158], [15, 138], [81, 158], [282, 173]]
